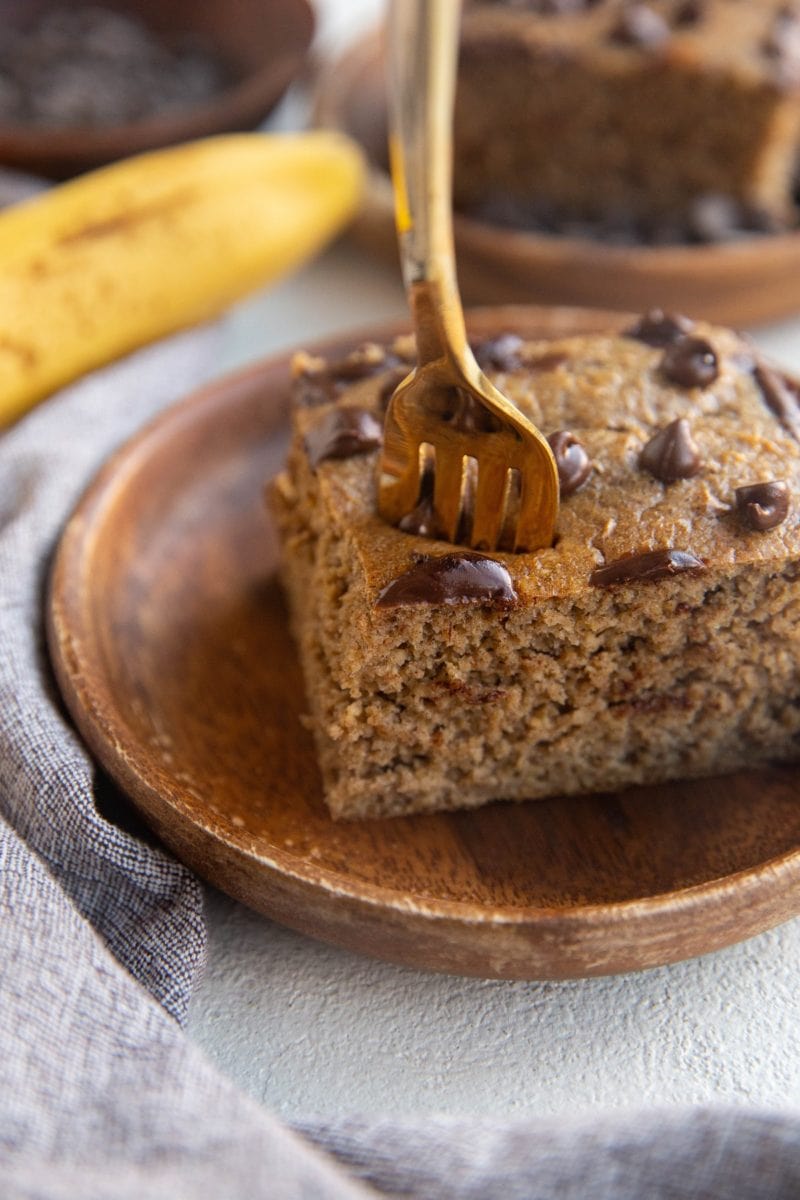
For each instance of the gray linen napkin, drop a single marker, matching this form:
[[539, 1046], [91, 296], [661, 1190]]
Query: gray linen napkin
[[102, 1096]]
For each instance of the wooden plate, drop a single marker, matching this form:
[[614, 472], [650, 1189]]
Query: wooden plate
[[169, 639], [742, 283]]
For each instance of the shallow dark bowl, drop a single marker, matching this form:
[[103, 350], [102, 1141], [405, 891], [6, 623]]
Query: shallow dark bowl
[[263, 43]]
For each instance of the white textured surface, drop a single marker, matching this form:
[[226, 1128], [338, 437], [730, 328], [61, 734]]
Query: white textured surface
[[311, 1029]]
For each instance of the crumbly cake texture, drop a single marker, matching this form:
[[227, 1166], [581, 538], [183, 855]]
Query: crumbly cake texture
[[674, 112], [659, 638]]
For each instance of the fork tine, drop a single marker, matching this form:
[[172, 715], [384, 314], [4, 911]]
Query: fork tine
[[539, 496], [490, 504], [448, 482], [398, 495]]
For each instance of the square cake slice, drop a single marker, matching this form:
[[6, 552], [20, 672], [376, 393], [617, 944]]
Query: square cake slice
[[670, 117], [658, 639]]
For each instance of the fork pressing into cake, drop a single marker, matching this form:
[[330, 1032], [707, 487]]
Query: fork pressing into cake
[[494, 477]]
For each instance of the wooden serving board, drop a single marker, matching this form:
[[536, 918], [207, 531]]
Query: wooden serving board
[[169, 639]]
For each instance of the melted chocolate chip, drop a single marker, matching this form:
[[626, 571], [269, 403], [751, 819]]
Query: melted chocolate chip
[[343, 433], [573, 463], [462, 578], [779, 398], [690, 362], [648, 567], [671, 453], [659, 329], [761, 506], [500, 354], [640, 25]]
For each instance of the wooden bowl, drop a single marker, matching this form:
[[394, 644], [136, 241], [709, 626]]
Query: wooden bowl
[[745, 282], [262, 42], [171, 646]]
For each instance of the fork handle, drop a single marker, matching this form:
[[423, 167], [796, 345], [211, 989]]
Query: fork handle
[[423, 50]]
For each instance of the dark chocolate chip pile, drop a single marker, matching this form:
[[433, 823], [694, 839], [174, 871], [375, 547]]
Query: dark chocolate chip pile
[[92, 66]]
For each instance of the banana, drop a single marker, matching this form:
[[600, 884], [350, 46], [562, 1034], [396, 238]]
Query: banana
[[127, 254]]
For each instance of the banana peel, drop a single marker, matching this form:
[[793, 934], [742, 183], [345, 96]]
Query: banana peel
[[122, 256]]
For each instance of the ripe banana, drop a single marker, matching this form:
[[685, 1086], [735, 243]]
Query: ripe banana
[[122, 256]]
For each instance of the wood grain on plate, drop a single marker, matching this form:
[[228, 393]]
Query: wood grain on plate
[[743, 282], [170, 643]]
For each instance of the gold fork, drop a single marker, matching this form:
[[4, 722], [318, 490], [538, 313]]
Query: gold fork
[[446, 412]]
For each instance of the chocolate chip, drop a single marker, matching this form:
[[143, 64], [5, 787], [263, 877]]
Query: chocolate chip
[[659, 329], [463, 578], [500, 353], [421, 521], [343, 433], [779, 398], [648, 567], [671, 453], [690, 362], [761, 506], [688, 12], [314, 389], [640, 25], [574, 464]]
